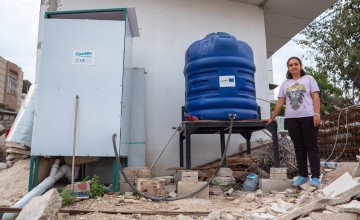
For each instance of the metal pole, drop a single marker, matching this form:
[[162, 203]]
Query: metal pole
[[74, 144]]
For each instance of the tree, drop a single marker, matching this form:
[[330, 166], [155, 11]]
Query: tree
[[330, 96], [333, 40]]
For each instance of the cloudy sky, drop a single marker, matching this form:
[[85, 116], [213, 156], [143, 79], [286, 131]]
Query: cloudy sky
[[19, 29]]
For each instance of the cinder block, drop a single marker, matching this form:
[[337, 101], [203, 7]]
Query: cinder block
[[151, 187], [133, 173], [186, 188], [278, 170], [190, 176], [266, 185], [278, 176]]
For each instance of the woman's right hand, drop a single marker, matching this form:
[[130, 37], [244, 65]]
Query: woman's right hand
[[270, 120]]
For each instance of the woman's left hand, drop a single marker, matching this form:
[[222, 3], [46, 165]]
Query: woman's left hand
[[316, 120]]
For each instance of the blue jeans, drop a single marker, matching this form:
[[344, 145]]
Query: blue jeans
[[304, 137]]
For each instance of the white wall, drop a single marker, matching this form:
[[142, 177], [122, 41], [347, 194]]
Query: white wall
[[270, 77], [167, 28]]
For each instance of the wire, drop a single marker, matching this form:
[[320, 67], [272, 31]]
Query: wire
[[337, 132], [231, 116], [152, 166]]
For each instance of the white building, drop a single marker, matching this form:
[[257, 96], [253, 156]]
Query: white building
[[168, 27]]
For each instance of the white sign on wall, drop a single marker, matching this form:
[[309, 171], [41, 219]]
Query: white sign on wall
[[227, 81], [83, 57]]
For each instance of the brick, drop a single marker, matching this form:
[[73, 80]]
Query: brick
[[278, 170], [186, 188], [151, 187], [278, 176], [266, 185], [190, 176], [133, 173]]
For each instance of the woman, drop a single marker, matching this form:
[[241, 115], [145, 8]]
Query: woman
[[302, 118]]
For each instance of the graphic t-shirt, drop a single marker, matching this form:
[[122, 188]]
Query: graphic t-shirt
[[297, 93]]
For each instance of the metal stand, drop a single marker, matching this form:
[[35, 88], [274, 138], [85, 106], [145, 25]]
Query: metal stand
[[245, 128]]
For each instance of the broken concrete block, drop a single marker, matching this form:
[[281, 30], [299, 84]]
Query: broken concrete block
[[333, 216], [278, 170], [267, 185], [46, 206], [223, 181], [353, 206], [340, 185], [168, 179], [225, 172], [151, 187], [133, 173], [284, 205], [186, 188], [190, 176], [333, 209], [278, 176]]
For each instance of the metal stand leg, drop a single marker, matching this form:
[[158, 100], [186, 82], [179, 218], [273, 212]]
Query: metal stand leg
[[222, 144], [181, 139], [188, 148], [115, 179], [247, 136], [272, 128], [34, 171]]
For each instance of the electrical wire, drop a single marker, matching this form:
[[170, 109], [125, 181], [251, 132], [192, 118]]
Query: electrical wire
[[337, 132]]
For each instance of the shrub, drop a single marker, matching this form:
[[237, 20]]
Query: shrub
[[96, 188], [68, 197]]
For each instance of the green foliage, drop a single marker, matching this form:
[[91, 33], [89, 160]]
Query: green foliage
[[68, 197], [330, 96], [96, 188], [282, 111], [333, 40]]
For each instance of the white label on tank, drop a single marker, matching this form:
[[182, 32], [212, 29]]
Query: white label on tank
[[227, 81], [83, 57]]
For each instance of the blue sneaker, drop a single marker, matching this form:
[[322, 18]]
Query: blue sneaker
[[300, 180], [315, 182]]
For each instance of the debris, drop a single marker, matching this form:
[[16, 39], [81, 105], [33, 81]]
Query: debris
[[46, 206], [343, 183], [353, 206]]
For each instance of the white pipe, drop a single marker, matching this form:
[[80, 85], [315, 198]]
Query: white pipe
[[55, 175]]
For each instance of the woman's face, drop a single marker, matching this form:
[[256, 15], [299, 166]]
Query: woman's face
[[294, 66]]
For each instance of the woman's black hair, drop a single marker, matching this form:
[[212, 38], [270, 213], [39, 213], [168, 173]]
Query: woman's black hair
[[288, 74]]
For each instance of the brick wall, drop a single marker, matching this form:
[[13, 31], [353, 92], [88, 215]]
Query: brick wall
[[3, 64], [13, 101]]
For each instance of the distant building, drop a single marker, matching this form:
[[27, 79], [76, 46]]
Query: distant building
[[26, 86], [11, 85]]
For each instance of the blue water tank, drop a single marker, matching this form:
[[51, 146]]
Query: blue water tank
[[219, 72]]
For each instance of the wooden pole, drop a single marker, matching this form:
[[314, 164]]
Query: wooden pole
[[74, 144]]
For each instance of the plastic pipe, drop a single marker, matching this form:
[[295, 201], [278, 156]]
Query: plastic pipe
[[56, 173]]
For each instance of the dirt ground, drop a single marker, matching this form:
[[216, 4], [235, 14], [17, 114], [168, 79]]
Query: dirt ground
[[14, 180]]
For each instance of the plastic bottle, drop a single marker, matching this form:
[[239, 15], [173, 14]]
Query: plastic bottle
[[327, 164], [251, 182]]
